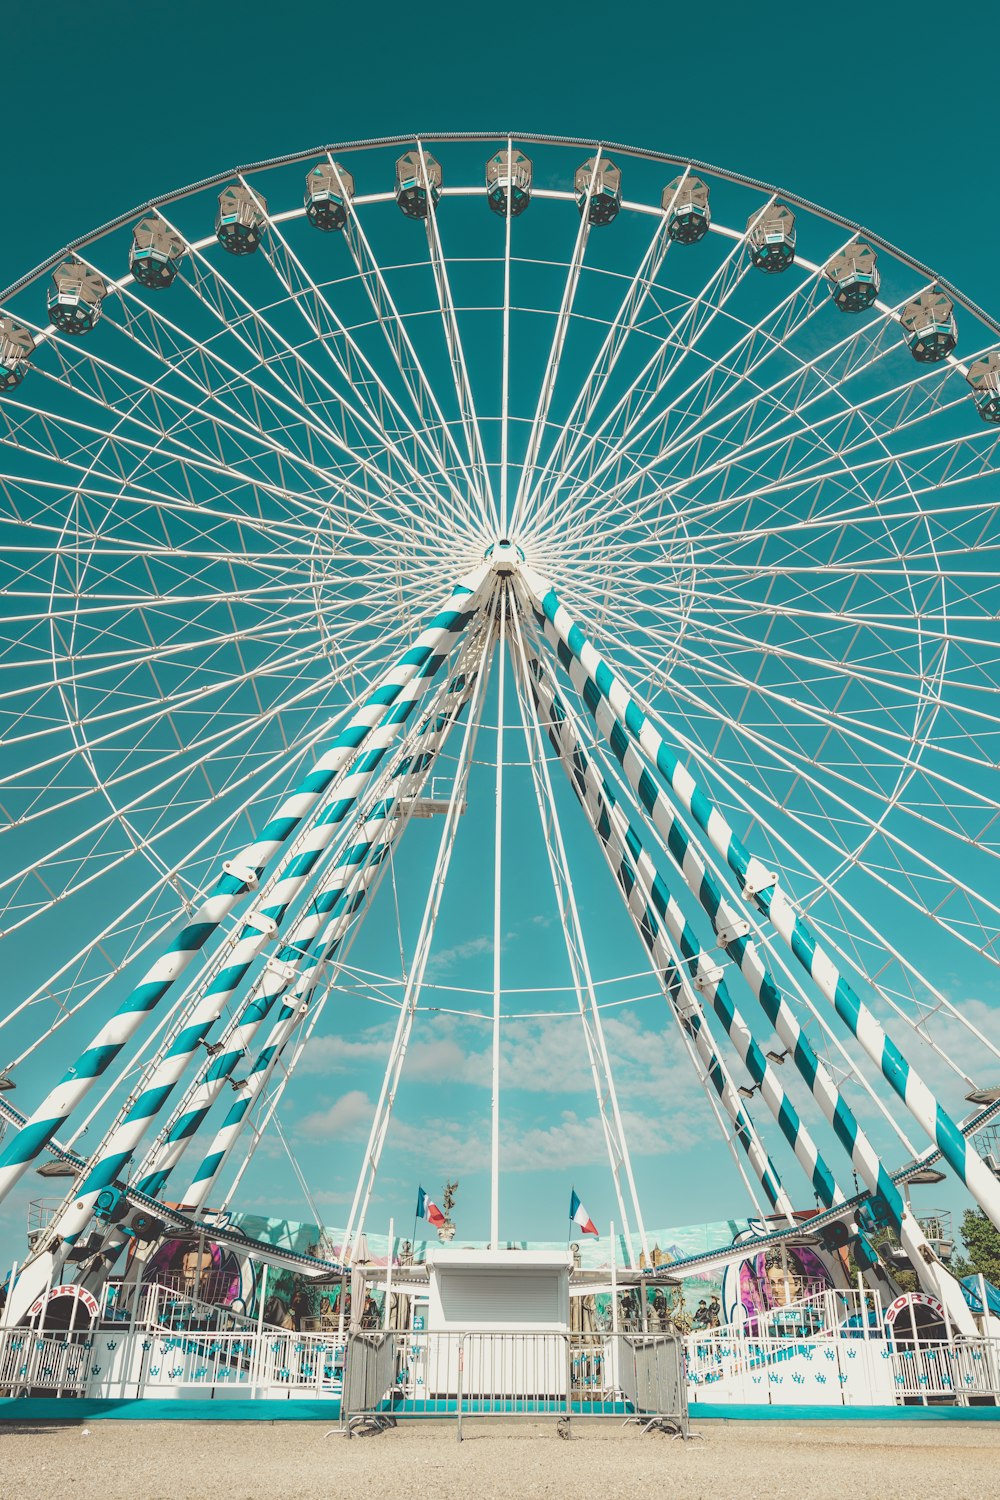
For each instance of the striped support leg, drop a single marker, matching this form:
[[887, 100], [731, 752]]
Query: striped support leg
[[119, 1144], [636, 873], [239, 876], [286, 1022], [377, 825], [624, 718]]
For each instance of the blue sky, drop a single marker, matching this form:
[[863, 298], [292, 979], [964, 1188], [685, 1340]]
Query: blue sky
[[137, 108]]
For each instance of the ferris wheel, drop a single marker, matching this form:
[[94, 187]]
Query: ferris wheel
[[323, 480]]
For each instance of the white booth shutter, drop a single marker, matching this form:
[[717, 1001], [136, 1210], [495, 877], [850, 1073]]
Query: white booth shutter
[[478, 1299]]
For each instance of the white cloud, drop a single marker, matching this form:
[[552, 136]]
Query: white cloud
[[547, 1056], [446, 958], [342, 1118]]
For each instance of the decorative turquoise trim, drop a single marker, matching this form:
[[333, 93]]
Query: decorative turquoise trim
[[719, 1411]]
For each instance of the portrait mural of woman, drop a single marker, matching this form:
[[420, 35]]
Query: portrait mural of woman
[[205, 1271], [771, 1282]]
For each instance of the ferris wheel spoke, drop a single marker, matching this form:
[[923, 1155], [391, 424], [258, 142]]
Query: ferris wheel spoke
[[147, 407], [746, 796], [505, 350], [928, 469], [942, 885], [822, 376], [736, 368], [82, 443], [627, 413], [180, 357], [810, 382], [190, 752], [295, 404], [72, 866], [340, 347], [482, 492], [596, 382], [175, 885], [907, 758], [882, 680], [551, 372], [431, 420], [301, 391], [899, 406], [205, 515], [741, 365]]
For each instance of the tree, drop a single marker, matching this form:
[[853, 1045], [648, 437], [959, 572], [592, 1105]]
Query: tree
[[982, 1241]]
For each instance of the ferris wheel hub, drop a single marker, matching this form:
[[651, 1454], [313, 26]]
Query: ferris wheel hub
[[504, 555]]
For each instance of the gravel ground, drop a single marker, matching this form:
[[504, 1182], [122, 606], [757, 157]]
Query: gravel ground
[[297, 1461]]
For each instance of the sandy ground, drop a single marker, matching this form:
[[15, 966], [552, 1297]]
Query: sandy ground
[[297, 1461]]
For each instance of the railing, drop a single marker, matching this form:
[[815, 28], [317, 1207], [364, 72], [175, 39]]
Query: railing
[[41, 1212], [55, 1363], [853, 1371], [960, 1372], [390, 1375], [828, 1313], [169, 1303], [273, 1362], [519, 1374], [140, 1363]]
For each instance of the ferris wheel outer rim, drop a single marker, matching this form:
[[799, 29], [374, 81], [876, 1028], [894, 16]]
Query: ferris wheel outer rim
[[374, 143], [382, 143]]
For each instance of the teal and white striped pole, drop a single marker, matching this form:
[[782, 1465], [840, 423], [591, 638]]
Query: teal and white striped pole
[[408, 778], [623, 846], [391, 699], [288, 1018], [684, 1003], [120, 1142], [626, 722], [286, 1022]]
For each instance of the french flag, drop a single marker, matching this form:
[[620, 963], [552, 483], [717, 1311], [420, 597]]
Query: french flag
[[430, 1211], [579, 1216]]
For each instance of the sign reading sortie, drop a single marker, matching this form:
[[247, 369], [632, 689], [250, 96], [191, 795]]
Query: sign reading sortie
[[68, 1289], [910, 1299]]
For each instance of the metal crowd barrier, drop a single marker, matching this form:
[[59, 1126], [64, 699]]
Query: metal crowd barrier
[[632, 1377]]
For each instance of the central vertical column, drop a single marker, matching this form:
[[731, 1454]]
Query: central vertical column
[[497, 834]]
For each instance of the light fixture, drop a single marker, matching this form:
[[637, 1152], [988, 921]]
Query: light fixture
[[925, 1174], [747, 1093], [55, 1167], [776, 1057], [6, 1082], [974, 1096]]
